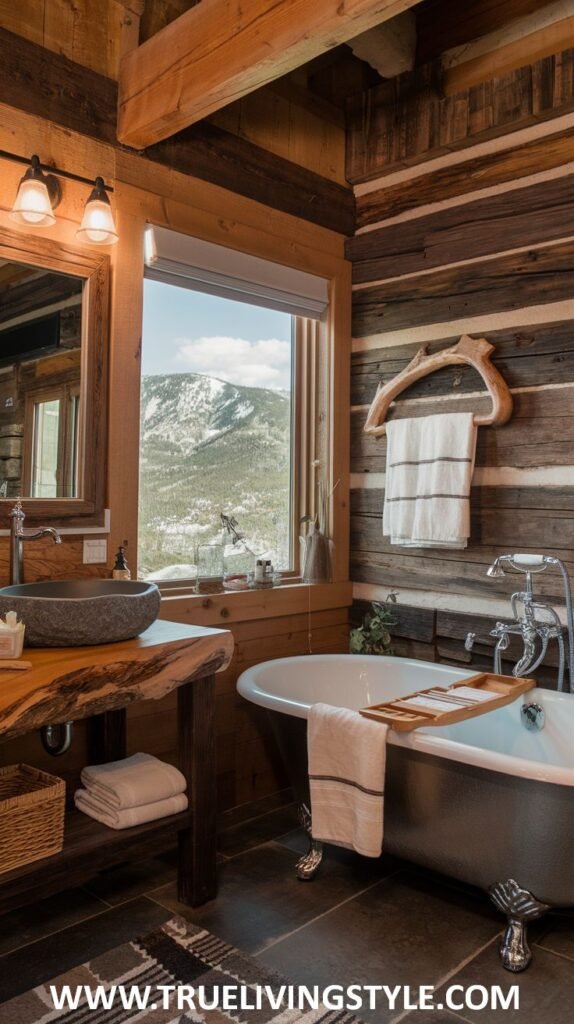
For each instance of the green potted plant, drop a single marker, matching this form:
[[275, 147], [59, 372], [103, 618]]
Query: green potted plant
[[374, 635]]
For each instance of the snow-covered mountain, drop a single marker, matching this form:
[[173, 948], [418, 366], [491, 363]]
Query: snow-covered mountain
[[209, 446]]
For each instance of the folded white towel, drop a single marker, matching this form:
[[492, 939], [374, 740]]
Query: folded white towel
[[347, 755], [430, 462], [89, 804], [133, 782]]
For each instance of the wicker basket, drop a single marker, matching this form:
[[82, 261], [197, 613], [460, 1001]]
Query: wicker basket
[[31, 815]]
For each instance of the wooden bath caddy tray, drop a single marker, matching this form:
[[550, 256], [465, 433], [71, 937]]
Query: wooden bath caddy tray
[[443, 706]]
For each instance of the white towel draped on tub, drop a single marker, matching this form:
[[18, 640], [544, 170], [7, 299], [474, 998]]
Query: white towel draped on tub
[[347, 755], [89, 803], [430, 461], [132, 782]]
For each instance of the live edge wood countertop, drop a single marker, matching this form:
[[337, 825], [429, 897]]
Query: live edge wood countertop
[[66, 684]]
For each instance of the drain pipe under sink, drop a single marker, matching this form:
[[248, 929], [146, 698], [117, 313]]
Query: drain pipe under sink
[[57, 739]]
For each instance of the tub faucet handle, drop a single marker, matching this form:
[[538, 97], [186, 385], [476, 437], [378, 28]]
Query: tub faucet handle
[[469, 641], [533, 716]]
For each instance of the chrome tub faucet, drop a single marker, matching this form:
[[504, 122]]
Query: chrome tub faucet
[[18, 534], [536, 622]]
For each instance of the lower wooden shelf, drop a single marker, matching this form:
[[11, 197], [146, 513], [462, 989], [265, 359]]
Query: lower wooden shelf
[[89, 847]]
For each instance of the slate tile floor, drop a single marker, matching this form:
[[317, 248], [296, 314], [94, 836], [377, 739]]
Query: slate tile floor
[[358, 922]]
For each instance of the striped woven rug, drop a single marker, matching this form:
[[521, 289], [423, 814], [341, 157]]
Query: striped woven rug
[[179, 961]]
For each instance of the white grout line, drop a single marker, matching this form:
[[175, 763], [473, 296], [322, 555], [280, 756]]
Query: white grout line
[[455, 396], [467, 198], [473, 261], [471, 152], [525, 317], [438, 601], [523, 390], [543, 387], [488, 476], [366, 481]]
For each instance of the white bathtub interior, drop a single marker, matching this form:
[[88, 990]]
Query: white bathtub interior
[[496, 740], [345, 681]]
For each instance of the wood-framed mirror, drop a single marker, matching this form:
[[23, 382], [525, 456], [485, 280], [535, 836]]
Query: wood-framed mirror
[[54, 321]]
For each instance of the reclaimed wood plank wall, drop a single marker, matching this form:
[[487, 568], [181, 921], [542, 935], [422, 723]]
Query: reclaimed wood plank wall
[[53, 104], [437, 635], [465, 224]]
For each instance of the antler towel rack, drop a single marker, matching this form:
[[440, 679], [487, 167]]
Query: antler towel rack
[[473, 352]]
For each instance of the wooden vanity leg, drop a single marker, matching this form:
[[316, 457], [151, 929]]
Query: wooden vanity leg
[[197, 881], [107, 739]]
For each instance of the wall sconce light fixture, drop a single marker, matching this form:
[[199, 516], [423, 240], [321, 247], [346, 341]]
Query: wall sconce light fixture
[[98, 226], [39, 193]]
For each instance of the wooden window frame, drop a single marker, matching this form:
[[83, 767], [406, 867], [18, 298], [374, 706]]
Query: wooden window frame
[[211, 213], [305, 445]]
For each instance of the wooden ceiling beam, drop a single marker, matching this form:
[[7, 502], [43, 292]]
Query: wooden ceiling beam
[[444, 24], [221, 50], [521, 42], [130, 24], [48, 85]]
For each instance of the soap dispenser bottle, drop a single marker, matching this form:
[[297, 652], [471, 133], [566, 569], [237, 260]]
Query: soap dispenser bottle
[[121, 570]]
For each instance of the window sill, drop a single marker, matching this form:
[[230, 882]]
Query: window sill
[[222, 609]]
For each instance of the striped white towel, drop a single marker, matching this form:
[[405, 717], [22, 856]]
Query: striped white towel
[[430, 462], [347, 756]]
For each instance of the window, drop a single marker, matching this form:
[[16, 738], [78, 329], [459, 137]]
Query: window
[[216, 418], [219, 409], [51, 442], [45, 449]]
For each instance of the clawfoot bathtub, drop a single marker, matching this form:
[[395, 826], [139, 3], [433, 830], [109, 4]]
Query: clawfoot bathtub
[[486, 801]]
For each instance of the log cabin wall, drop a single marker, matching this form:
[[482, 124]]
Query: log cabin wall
[[229, 185], [465, 224]]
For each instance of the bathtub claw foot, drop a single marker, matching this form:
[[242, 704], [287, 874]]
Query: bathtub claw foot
[[514, 949], [520, 907], [308, 865]]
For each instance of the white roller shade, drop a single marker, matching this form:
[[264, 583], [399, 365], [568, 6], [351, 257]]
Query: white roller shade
[[202, 266]]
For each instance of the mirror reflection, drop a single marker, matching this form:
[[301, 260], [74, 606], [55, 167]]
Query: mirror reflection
[[40, 363]]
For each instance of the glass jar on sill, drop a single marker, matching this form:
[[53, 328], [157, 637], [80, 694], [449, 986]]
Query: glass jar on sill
[[209, 561]]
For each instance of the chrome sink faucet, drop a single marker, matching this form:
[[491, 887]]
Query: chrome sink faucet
[[18, 534]]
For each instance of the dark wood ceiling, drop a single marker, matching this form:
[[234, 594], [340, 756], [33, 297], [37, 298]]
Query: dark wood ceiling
[[442, 24]]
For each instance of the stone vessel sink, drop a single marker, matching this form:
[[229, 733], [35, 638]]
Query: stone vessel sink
[[78, 613]]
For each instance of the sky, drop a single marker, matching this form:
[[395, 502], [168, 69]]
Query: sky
[[190, 332]]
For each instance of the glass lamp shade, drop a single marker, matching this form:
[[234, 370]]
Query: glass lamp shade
[[98, 226], [33, 205]]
